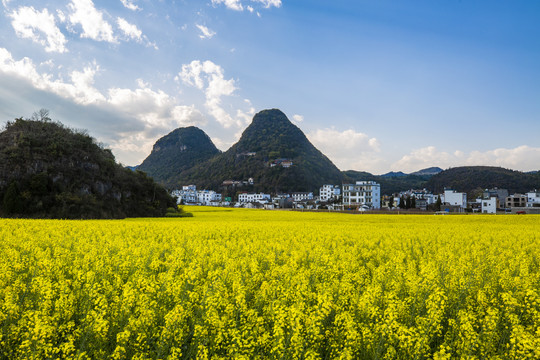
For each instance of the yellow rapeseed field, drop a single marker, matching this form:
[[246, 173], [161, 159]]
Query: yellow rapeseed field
[[255, 284]]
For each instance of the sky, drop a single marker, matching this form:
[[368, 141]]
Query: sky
[[375, 85]]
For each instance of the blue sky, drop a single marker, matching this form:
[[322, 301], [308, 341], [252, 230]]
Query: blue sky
[[376, 85]]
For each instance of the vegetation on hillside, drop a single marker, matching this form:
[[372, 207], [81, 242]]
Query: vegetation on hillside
[[271, 137], [176, 152], [474, 179], [50, 171]]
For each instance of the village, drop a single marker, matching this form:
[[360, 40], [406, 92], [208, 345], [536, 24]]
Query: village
[[365, 196]]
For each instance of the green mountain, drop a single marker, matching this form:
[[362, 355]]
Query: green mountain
[[176, 152], [50, 171], [472, 179], [274, 153], [429, 171]]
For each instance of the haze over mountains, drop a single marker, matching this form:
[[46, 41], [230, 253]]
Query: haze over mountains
[[277, 156]]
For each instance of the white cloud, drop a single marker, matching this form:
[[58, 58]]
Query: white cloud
[[61, 16], [221, 144], [40, 27], [298, 118], [146, 114], [524, 158], [239, 6], [129, 30], [80, 89], [84, 13], [231, 4], [209, 77], [130, 5], [347, 149], [269, 3], [206, 33]]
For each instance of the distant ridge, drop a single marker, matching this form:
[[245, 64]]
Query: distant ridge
[[429, 171], [475, 178], [393, 174]]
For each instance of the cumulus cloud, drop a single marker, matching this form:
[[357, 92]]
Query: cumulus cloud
[[298, 118], [238, 5], [40, 26], [84, 13], [209, 77], [348, 149], [231, 4], [523, 158], [206, 33], [146, 113], [269, 3], [80, 89], [128, 4], [130, 30]]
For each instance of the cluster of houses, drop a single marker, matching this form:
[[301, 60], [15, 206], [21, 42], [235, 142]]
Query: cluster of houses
[[366, 195], [362, 195], [490, 202]]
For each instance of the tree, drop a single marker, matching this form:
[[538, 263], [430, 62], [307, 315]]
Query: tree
[[391, 202], [408, 202], [41, 115], [413, 202], [438, 203], [401, 203]]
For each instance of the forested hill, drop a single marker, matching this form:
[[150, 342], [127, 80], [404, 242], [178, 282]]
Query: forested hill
[[176, 152], [50, 171], [272, 151], [476, 178]]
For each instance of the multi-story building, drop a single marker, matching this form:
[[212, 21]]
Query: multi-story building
[[208, 197], [533, 198], [489, 206], [500, 194], [454, 198], [249, 198], [188, 194], [302, 196], [516, 200], [366, 193], [328, 192]]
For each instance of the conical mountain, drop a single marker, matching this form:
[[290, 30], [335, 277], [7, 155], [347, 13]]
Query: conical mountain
[[176, 152], [272, 151]]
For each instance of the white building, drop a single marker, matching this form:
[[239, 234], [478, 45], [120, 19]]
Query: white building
[[328, 192], [302, 196], [363, 193], [533, 198], [248, 198], [206, 197], [188, 194], [452, 197], [489, 206]]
